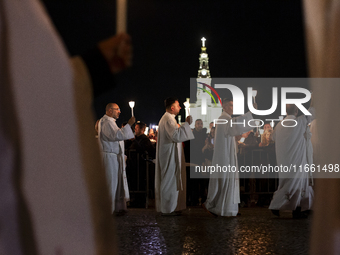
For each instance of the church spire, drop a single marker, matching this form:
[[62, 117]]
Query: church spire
[[203, 71]]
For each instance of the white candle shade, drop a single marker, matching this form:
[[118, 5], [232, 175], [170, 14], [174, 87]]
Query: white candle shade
[[187, 107], [254, 93], [132, 104]]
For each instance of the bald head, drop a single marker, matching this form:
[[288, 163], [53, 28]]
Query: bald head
[[110, 105], [291, 109], [112, 110]]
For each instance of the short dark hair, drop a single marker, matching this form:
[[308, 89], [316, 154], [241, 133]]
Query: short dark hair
[[291, 109], [198, 120], [141, 125], [169, 102], [226, 100]]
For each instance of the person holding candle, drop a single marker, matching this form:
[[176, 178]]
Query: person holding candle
[[291, 144], [224, 191], [170, 173], [111, 140]]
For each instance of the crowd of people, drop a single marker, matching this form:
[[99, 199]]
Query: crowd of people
[[52, 183], [177, 147]]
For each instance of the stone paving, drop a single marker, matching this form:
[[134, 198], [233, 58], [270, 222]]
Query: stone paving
[[256, 231]]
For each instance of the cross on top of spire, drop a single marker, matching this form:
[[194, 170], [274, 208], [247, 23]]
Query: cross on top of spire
[[203, 41]]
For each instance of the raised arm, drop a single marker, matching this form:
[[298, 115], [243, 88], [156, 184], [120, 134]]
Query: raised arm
[[179, 134], [241, 127], [112, 133]]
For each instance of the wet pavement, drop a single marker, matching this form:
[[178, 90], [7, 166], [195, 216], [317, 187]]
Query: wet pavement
[[256, 231]]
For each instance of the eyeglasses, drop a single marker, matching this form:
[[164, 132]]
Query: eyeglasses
[[117, 109]]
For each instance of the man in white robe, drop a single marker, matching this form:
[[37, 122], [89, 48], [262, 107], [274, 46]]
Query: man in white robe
[[170, 175], [224, 189], [112, 146], [294, 191]]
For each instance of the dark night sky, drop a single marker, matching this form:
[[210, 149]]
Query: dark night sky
[[262, 38]]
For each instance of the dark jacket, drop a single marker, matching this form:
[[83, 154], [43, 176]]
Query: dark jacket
[[141, 144]]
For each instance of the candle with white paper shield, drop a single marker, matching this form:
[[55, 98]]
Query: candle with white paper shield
[[132, 104], [187, 107], [254, 94]]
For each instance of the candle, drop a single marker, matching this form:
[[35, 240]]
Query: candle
[[132, 104], [257, 122], [254, 94], [187, 107], [121, 16]]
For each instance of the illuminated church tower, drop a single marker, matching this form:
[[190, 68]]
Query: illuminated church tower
[[203, 71], [203, 108]]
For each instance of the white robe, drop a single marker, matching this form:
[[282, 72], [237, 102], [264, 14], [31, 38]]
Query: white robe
[[291, 150], [112, 146], [315, 142], [224, 190], [170, 175]]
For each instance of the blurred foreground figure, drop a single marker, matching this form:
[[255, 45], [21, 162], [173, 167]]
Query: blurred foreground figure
[[52, 187], [322, 18]]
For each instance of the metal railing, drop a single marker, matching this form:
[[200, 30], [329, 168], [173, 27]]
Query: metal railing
[[138, 174]]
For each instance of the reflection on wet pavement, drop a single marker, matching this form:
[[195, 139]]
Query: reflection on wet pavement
[[256, 231]]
